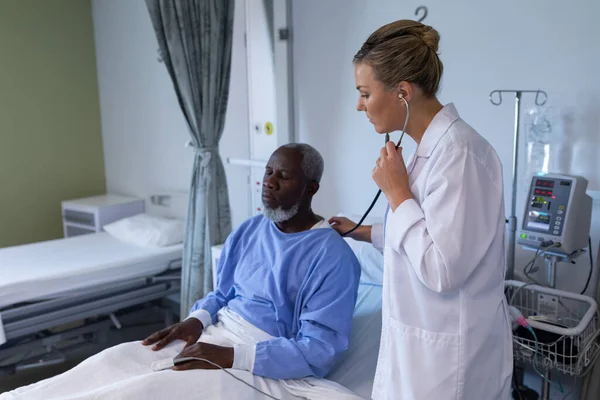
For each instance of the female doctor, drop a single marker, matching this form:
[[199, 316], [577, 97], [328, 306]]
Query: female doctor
[[446, 332]]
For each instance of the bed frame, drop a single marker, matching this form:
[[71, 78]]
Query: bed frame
[[27, 326]]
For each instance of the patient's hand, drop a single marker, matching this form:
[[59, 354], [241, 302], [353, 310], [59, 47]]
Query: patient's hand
[[222, 356], [188, 330]]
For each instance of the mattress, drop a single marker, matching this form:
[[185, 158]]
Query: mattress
[[43, 270]]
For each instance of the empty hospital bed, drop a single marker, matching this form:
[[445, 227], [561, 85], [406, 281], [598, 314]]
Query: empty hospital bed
[[84, 278]]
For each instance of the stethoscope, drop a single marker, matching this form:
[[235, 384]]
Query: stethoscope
[[387, 139]]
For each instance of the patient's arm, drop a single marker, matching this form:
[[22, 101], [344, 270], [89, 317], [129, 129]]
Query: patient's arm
[[326, 307], [188, 330], [206, 309]]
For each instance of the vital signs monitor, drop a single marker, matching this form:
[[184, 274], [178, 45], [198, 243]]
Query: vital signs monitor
[[557, 211]]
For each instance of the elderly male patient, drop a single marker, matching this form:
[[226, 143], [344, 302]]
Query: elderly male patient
[[285, 278], [280, 316]]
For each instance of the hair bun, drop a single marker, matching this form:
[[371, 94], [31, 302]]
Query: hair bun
[[403, 50], [431, 38]]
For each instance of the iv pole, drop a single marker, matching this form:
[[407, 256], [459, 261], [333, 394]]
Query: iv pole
[[512, 220]]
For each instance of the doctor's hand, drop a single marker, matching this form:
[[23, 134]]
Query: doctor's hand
[[188, 331], [342, 225], [222, 356], [391, 176]]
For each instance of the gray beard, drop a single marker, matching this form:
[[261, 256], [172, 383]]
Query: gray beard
[[280, 215]]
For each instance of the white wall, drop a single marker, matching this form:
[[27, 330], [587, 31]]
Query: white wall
[[143, 129], [546, 44], [262, 91]]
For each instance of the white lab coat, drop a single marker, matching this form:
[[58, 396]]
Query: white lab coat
[[446, 331]]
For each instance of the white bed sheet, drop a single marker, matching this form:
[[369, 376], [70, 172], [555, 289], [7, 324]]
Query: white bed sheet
[[356, 368], [42, 270]]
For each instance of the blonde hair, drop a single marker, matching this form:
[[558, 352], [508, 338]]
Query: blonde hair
[[404, 50]]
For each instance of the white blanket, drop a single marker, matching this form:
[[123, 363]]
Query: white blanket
[[124, 372]]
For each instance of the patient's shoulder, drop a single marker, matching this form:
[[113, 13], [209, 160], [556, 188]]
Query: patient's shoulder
[[328, 234], [332, 246], [253, 221], [251, 224], [238, 234]]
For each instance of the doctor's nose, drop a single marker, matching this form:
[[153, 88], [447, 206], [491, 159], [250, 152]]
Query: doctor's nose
[[360, 106]]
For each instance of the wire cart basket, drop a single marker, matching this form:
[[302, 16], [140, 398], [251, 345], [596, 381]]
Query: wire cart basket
[[567, 336]]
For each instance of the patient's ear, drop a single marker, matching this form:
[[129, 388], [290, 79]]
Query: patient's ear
[[313, 187]]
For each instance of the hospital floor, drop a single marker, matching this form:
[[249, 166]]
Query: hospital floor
[[134, 328]]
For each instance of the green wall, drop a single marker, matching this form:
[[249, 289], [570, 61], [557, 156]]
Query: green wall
[[50, 138]]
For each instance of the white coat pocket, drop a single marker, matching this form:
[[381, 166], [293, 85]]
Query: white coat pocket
[[426, 363]]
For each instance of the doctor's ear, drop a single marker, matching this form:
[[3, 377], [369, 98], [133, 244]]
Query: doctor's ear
[[404, 91]]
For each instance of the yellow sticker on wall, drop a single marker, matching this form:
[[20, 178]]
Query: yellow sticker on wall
[[269, 128]]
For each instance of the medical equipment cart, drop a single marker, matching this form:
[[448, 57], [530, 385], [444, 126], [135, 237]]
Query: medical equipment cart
[[566, 334]]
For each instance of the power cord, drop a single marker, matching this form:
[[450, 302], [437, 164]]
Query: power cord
[[542, 248], [545, 246], [587, 282]]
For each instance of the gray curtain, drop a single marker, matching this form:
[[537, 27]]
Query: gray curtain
[[194, 38]]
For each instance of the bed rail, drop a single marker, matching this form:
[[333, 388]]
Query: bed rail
[[22, 320]]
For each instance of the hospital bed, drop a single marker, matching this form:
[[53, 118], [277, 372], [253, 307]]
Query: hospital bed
[[85, 278]]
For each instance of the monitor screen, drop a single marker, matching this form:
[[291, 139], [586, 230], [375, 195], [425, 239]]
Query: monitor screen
[[538, 220]]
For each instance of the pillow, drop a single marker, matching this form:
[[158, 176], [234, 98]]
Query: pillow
[[370, 259], [148, 230]]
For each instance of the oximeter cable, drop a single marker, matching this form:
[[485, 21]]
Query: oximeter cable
[[387, 139], [171, 362]]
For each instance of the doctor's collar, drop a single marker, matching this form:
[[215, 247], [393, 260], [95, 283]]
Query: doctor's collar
[[437, 128]]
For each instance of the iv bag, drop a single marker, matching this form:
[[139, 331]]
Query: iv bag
[[540, 130]]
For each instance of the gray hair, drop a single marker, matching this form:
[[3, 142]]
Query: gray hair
[[312, 162]]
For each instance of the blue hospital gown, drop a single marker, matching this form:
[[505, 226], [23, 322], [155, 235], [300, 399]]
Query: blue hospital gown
[[300, 288]]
